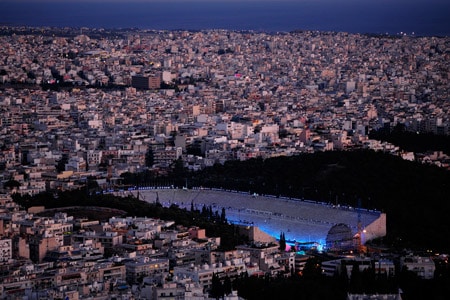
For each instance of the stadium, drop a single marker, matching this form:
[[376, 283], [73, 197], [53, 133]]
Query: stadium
[[302, 221]]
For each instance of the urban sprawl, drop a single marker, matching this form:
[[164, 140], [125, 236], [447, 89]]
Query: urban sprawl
[[92, 103]]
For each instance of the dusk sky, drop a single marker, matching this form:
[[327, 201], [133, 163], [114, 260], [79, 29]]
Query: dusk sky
[[423, 17], [257, 1], [358, 2]]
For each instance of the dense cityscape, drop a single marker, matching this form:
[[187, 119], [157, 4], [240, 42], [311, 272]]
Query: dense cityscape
[[89, 106]]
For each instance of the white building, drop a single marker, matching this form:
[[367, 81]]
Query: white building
[[5, 250], [424, 267]]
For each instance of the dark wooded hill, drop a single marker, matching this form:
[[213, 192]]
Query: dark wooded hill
[[414, 196]]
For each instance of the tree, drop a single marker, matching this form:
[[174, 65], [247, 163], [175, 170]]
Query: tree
[[92, 183], [342, 275], [227, 289], [356, 282], [178, 168], [31, 75], [223, 218], [210, 213], [204, 212], [282, 242], [257, 129], [10, 184], [149, 157], [312, 268], [217, 289], [61, 165]]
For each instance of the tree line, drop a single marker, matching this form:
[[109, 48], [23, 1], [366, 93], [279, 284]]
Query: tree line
[[414, 195], [214, 222]]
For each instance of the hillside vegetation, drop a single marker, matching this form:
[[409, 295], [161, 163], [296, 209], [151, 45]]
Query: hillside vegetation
[[414, 196]]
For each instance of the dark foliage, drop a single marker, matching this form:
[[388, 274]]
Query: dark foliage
[[313, 285], [149, 158], [11, 184], [212, 222], [289, 288], [282, 242], [412, 141], [217, 288], [414, 196]]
